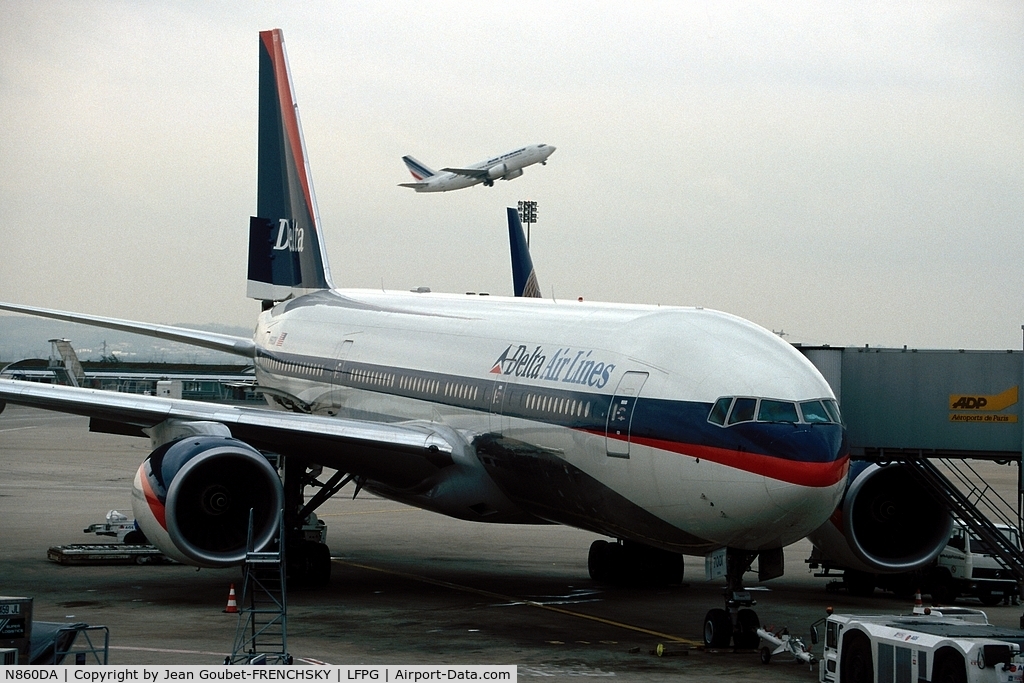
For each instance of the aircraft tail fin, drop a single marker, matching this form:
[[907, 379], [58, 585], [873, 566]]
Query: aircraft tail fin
[[419, 170], [524, 277], [286, 250]]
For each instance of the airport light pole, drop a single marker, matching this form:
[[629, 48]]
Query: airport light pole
[[528, 215]]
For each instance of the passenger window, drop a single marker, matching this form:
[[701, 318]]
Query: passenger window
[[719, 411], [743, 410], [777, 411], [814, 412], [833, 410]]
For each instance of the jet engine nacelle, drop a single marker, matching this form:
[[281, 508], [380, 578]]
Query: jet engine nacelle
[[886, 523], [512, 174], [192, 498], [495, 172]]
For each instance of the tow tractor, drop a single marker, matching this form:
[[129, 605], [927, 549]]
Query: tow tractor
[[948, 644], [119, 526]]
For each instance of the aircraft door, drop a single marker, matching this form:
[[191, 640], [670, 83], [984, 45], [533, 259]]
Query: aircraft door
[[620, 413], [500, 392], [337, 374]]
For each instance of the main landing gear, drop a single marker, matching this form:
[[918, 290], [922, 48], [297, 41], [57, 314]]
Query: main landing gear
[[737, 623], [630, 563], [307, 557]]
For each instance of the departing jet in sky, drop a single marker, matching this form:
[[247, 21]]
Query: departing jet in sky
[[669, 430], [503, 167]]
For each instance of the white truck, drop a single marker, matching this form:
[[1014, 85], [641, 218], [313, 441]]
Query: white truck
[[947, 645], [964, 568]]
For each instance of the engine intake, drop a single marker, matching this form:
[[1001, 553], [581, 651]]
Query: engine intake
[[887, 523], [192, 499]]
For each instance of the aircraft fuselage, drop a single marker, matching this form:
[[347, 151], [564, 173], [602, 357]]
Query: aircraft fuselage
[[592, 415]]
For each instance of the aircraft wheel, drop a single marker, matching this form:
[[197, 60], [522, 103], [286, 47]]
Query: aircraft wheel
[[319, 565], [717, 628], [597, 561], [135, 537], [746, 635], [857, 665], [309, 564]]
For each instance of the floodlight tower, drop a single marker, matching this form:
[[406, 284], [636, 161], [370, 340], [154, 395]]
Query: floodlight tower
[[528, 215]]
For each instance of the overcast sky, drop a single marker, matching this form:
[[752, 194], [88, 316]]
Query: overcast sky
[[846, 172]]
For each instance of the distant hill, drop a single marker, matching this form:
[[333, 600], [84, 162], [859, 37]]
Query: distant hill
[[26, 337]]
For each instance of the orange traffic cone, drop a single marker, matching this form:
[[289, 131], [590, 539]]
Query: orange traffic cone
[[918, 605], [232, 607]]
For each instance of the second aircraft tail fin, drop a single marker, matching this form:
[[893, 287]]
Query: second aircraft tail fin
[[286, 251], [524, 277], [419, 170]]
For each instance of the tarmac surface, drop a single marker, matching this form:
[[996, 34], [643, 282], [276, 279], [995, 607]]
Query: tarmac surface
[[408, 586]]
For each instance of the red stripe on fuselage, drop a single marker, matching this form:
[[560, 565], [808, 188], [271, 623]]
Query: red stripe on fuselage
[[273, 41], [813, 474], [155, 506]]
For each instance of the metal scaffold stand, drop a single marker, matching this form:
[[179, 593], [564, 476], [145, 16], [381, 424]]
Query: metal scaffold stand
[[261, 636]]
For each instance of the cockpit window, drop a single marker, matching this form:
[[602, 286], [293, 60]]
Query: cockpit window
[[777, 411], [742, 410], [833, 411], [814, 412], [720, 410]]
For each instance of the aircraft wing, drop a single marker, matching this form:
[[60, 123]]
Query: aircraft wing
[[400, 455], [240, 346], [415, 186], [480, 173]]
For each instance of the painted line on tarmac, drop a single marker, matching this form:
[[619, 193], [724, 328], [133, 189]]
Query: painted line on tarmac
[[307, 660], [368, 512], [529, 603], [168, 651], [18, 429]]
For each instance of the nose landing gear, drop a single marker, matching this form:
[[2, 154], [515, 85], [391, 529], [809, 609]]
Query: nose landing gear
[[737, 623]]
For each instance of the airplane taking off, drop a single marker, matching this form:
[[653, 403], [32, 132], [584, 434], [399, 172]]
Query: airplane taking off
[[505, 167], [673, 430]]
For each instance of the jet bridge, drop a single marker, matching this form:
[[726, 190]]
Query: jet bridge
[[915, 403], [932, 411]]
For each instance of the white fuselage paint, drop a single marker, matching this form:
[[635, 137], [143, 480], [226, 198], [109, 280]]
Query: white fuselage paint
[[689, 354]]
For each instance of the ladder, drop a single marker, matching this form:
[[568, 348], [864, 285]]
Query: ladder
[[970, 508], [261, 635], [69, 370]]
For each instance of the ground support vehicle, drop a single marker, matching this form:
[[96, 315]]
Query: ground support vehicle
[[951, 645], [781, 642], [99, 554], [966, 567], [118, 526]]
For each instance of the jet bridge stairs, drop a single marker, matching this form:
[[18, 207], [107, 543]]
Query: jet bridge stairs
[[976, 504]]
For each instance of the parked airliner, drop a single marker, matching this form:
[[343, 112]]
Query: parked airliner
[[504, 166], [671, 430]]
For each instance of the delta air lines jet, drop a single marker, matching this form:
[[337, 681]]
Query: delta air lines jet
[[504, 166], [671, 430]]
